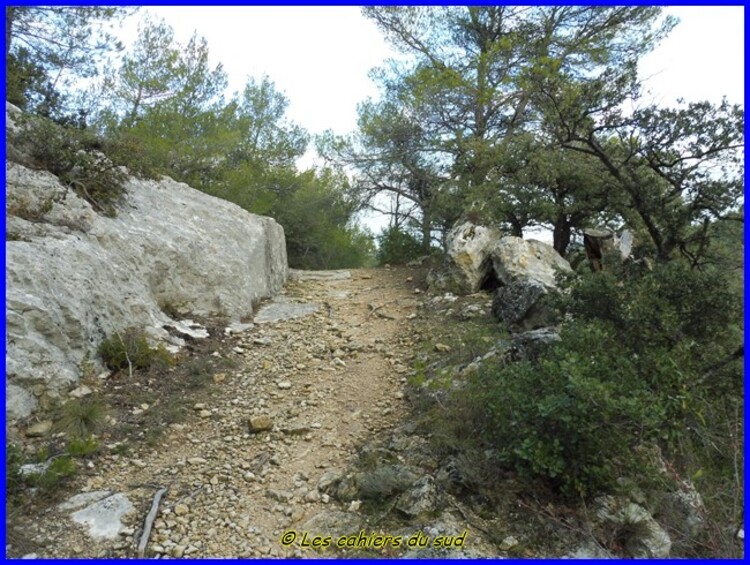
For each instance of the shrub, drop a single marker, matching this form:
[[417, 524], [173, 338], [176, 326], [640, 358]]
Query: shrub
[[644, 360], [75, 157], [80, 417], [59, 470], [384, 481], [130, 349], [397, 246], [82, 447]]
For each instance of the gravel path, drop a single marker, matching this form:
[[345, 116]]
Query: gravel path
[[324, 383]]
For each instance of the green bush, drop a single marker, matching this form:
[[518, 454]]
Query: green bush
[[75, 157], [82, 446], [130, 349], [80, 417], [60, 470], [397, 246], [643, 361]]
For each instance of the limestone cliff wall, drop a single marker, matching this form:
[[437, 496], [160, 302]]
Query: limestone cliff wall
[[74, 276]]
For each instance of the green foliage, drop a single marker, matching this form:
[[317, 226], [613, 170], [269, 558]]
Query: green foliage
[[49, 47], [74, 156], [458, 116], [13, 462], [642, 360], [397, 246], [79, 418], [130, 349], [82, 446], [59, 471]]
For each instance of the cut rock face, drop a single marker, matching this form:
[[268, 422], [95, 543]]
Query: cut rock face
[[74, 277]]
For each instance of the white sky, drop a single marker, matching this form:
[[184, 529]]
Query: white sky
[[320, 56]]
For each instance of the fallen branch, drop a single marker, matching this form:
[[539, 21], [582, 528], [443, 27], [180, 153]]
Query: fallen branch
[[150, 521]]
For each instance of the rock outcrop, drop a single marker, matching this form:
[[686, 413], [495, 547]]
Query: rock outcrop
[[519, 271], [469, 248], [515, 259], [74, 277], [480, 258]]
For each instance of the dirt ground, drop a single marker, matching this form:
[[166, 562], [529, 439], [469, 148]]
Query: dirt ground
[[324, 384]]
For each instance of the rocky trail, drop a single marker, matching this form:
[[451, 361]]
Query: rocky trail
[[253, 460]]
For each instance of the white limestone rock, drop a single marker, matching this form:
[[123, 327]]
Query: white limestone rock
[[469, 247], [514, 258], [73, 277]]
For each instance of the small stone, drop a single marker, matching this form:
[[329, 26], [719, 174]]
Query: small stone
[[214, 480], [398, 395], [80, 391], [354, 505], [508, 543], [181, 509], [301, 366], [260, 424], [199, 406], [312, 496], [238, 350], [220, 378], [409, 279], [280, 495], [741, 534], [145, 406], [442, 348], [39, 429], [417, 291], [284, 385], [204, 414], [196, 460]]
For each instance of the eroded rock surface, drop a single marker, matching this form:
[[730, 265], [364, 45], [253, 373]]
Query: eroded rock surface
[[74, 277]]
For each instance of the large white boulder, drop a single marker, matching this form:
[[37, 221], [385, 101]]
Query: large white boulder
[[74, 277], [469, 248], [515, 259]]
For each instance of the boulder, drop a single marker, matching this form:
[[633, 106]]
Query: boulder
[[532, 344], [73, 277], [517, 305], [469, 249], [420, 499], [526, 271], [516, 259], [598, 243]]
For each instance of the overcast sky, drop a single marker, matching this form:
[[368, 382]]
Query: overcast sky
[[320, 56]]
